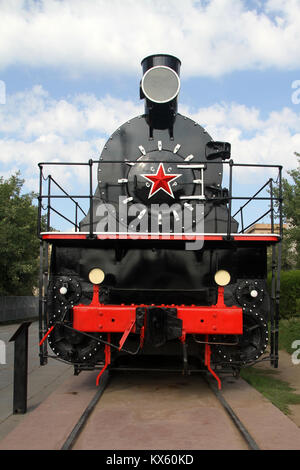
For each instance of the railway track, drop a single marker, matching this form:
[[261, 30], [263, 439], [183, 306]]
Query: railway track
[[245, 441], [78, 428], [238, 423]]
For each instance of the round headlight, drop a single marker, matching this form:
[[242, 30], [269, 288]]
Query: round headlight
[[222, 277], [160, 84], [96, 276]]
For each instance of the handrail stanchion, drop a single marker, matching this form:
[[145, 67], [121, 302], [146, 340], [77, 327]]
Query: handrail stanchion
[[280, 201], [272, 205], [42, 319], [273, 266], [230, 200], [76, 216], [278, 270], [242, 219], [91, 235], [49, 203], [40, 198]]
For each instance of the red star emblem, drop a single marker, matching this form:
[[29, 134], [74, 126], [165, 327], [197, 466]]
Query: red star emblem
[[161, 180]]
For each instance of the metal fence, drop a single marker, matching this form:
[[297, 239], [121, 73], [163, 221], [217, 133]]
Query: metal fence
[[18, 308]]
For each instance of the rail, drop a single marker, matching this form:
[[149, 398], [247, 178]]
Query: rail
[[274, 210]]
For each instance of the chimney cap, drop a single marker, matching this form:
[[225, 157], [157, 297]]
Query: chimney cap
[[166, 60]]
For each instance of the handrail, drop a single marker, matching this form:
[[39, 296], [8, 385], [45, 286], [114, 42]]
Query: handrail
[[48, 196], [227, 198], [242, 207]]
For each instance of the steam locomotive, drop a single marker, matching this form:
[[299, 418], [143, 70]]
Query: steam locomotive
[[157, 271]]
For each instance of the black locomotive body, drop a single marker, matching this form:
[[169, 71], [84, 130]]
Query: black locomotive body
[[157, 268]]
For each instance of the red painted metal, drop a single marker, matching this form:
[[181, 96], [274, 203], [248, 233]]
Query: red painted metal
[[142, 337], [126, 333], [46, 335], [207, 355], [107, 354], [137, 236], [215, 319], [183, 336], [103, 318]]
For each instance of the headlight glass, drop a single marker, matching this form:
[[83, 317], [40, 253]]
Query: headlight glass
[[96, 276], [222, 277]]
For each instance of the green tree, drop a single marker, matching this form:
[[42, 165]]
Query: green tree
[[19, 244], [291, 216]]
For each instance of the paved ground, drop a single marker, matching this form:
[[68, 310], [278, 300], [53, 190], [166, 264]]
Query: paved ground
[[41, 380], [55, 385], [153, 411]]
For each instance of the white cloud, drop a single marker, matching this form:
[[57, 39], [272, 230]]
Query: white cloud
[[34, 127], [272, 140], [33, 113], [101, 36]]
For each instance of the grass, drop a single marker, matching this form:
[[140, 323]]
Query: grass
[[280, 393]]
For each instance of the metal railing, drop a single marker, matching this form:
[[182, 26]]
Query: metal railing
[[274, 210]]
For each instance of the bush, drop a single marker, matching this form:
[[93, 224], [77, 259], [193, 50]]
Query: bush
[[289, 293], [289, 331]]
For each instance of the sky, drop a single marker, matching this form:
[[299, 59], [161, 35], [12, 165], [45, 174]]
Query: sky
[[70, 73]]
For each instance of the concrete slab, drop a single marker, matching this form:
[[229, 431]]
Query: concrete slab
[[271, 429], [139, 412], [160, 412], [41, 380], [48, 426]]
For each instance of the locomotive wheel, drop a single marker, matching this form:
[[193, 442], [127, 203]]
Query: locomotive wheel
[[74, 347], [247, 347]]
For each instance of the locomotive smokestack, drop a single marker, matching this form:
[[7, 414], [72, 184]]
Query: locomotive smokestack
[[159, 87]]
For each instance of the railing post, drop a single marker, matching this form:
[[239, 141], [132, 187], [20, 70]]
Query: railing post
[[242, 219], [76, 216], [273, 266], [49, 206], [91, 235], [40, 202], [42, 319], [277, 310], [280, 202], [20, 339], [230, 200], [272, 205], [278, 272]]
